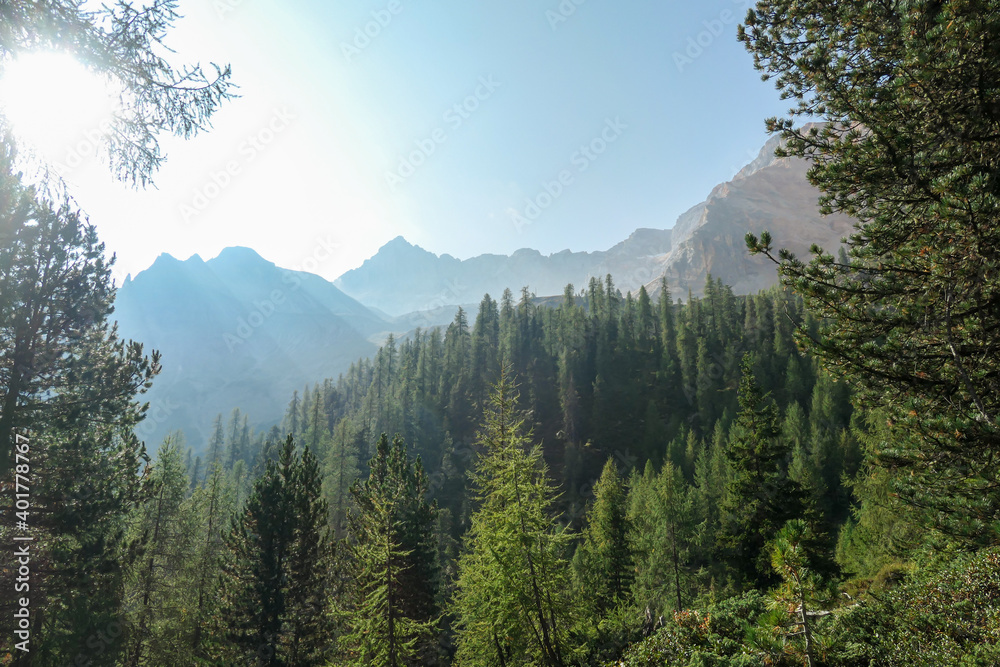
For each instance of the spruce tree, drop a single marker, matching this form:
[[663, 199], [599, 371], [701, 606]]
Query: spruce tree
[[274, 580], [760, 496], [396, 563]]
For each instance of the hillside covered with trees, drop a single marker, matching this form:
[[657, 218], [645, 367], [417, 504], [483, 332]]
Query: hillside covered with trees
[[803, 476]]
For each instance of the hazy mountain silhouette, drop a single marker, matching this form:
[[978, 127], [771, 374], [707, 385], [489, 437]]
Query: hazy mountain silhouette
[[237, 331]]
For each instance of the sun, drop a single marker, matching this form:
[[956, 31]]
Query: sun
[[54, 105]]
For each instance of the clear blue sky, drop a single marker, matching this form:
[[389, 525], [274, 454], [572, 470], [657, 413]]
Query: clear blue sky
[[333, 115]]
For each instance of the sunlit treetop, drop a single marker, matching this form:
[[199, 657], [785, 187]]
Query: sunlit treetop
[[122, 44]]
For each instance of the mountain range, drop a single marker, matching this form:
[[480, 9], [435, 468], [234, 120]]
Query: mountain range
[[239, 331], [769, 193], [433, 280]]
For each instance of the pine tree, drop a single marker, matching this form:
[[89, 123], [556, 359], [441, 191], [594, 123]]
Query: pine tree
[[909, 148], [800, 593], [68, 384], [58, 351], [64, 373]]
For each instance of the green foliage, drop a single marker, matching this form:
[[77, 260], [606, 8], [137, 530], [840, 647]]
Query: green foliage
[[213, 503], [340, 471], [158, 593], [662, 520], [604, 567], [513, 602], [714, 637], [910, 149], [68, 384], [760, 496], [58, 351], [800, 594], [945, 614], [607, 563], [395, 563], [274, 580]]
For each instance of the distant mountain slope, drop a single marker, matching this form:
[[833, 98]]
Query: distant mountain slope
[[237, 331], [402, 278], [769, 193]]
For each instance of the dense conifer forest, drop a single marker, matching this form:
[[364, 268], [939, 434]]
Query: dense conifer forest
[[802, 476]]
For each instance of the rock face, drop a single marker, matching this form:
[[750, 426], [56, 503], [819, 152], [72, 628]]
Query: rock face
[[768, 194], [403, 278], [237, 331]]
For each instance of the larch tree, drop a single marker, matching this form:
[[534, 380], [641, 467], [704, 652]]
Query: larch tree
[[606, 556], [513, 599], [661, 515], [125, 45], [158, 591]]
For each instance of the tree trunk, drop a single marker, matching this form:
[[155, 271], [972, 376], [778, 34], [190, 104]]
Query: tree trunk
[[677, 563]]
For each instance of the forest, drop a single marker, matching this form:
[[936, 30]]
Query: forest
[[802, 476]]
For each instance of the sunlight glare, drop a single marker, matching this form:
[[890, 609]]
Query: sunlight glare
[[54, 105]]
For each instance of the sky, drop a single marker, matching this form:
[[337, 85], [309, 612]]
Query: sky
[[466, 127]]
